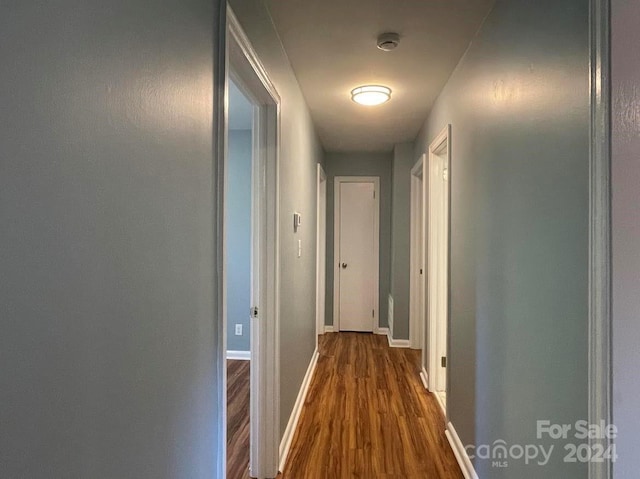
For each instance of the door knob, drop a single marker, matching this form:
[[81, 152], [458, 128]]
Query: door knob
[[344, 265]]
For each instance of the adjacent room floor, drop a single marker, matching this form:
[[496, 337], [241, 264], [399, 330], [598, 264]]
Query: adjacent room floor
[[368, 415], [238, 375]]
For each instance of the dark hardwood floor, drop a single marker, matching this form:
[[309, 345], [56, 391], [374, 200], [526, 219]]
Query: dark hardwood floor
[[238, 375], [367, 415]]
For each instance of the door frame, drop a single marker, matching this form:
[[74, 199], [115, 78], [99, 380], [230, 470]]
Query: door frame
[[338, 180], [243, 64], [417, 284], [439, 327], [321, 250]]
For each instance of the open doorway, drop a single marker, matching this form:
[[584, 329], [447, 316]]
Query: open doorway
[[238, 233], [438, 264], [251, 280]]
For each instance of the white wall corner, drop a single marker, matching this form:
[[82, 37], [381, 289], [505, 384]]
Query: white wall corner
[[289, 432], [239, 355], [397, 343], [460, 452]]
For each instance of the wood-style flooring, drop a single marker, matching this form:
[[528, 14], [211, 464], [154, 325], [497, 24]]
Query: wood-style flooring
[[367, 415], [238, 375]]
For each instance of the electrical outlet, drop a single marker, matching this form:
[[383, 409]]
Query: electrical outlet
[[238, 329]]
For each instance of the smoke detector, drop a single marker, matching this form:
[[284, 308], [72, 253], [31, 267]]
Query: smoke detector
[[388, 41]]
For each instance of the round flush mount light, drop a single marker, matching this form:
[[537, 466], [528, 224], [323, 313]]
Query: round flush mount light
[[371, 95]]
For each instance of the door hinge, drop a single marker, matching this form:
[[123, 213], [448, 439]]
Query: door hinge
[[373, 313], [374, 195], [443, 361], [420, 270], [254, 312]]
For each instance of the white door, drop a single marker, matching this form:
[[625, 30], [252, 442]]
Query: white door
[[356, 255], [442, 259], [438, 263]]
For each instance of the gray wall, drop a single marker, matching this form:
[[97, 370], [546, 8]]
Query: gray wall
[[238, 211], [106, 249], [626, 234], [403, 161], [361, 164], [518, 103], [300, 153]]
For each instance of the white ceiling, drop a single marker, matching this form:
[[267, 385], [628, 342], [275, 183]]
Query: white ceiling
[[240, 110], [332, 47]]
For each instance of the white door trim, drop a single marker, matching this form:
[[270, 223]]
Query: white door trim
[[338, 180], [600, 292], [417, 292], [219, 148], [321, 250], [251, 77], [437, 262]]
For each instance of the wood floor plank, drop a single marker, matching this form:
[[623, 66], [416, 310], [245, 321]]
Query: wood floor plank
[[238, 432], [368, 416]]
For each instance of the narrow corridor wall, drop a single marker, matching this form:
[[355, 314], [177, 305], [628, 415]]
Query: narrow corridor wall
[[109, 338], [626, 234], [518, 103]]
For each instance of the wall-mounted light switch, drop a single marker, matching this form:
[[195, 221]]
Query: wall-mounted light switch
[[238, 329]]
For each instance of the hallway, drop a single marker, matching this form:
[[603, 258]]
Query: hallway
[[367, 415], [501, 138]]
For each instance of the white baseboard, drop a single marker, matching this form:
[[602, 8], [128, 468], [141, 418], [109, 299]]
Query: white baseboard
[[390, 313], [460, 452], [398, 343], [239, 355], [289, 432], [381, 331], [424, 375]]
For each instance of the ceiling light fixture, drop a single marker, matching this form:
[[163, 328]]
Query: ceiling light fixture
[[371, 95], [388, 41]]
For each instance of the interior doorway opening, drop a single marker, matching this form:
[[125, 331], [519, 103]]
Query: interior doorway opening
[[250, 265], [238, 234], [438, 265]]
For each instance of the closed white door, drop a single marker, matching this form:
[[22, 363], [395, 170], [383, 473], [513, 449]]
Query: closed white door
[[357, 265]]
